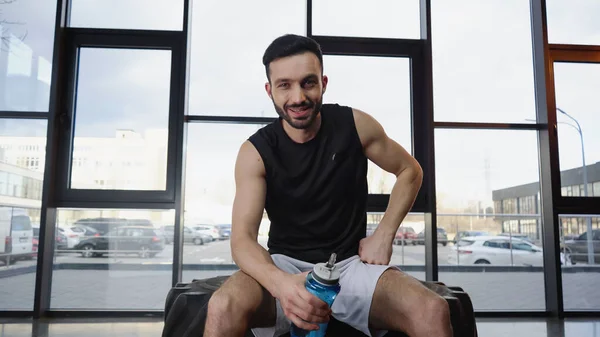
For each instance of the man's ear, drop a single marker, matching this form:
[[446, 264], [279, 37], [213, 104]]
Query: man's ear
[[268, 89], [325, 80]]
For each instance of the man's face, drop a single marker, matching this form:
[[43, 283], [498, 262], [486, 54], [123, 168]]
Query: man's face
[[296, 88]]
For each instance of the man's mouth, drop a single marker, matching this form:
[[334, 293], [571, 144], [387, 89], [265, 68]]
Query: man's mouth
[[298, 112]]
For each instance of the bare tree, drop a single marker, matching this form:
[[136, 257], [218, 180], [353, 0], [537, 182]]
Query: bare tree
[[5, 27]]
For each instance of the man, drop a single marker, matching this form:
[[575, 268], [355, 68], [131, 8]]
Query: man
[[308, 171]]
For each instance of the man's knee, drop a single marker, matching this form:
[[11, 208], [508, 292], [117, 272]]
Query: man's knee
[[242, 300], [434, 311]]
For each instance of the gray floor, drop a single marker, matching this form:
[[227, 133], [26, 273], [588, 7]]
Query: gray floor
[[153, 327]]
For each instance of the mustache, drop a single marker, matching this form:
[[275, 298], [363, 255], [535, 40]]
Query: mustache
[[305, 104]]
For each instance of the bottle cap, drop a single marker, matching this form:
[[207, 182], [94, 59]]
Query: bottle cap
[[327, 273]]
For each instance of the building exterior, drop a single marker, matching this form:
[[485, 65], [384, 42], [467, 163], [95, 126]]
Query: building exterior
[[524, 202], [129, 160]]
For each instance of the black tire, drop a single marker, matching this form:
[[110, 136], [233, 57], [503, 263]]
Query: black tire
[[444, 244], [198, 241], [144, 252], [88, 251]]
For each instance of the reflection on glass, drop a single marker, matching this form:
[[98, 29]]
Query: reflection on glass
[[121, 119], [576, 87], [229, 80], [387, 19], [127, 14], [409, 242], [580, 248], [482, 82], [488, 205], [22, 153], [111, 252], [350, 89], [26, 46], [569, 22]]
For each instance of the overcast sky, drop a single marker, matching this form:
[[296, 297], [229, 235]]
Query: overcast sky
[[482, 72]]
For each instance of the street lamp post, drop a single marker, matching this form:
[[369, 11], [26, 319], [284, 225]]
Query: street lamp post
[[590, 244]]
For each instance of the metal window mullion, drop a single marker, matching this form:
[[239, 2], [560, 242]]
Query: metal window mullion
[[549, 173], [43, 280]]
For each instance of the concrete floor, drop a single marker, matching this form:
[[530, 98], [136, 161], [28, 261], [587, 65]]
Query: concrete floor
[[153, 327]]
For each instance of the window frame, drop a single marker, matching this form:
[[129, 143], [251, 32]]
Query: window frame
[[76, 38]]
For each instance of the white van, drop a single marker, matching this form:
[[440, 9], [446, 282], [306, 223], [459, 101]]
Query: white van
[[16, 235]]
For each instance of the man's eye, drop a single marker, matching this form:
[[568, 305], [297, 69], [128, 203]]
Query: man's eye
[[284, 85]]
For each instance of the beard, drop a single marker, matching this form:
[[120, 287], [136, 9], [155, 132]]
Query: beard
[[304, 122]]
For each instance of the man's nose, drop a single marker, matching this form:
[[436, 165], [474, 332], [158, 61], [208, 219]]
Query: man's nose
[[298, 96]]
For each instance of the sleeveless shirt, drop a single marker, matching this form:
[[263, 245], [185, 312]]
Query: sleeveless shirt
[[316, 196]]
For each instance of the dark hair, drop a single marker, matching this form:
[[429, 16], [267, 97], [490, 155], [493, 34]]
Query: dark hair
[[288, 45]]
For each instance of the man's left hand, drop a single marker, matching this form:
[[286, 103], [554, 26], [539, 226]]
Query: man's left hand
[[376, 249]]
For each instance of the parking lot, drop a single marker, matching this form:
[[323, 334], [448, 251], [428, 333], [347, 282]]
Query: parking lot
[[120, 281]]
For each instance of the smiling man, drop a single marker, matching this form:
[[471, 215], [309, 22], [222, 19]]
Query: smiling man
[[308, 170]]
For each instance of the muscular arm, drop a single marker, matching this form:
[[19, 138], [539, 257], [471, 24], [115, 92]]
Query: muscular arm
[[248, 208], [393, 158]]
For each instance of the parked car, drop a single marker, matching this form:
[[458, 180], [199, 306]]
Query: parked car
[[461, 234], [577, 248], [442, 237], [211, 230], [143, 241], [497, 250], [16, 235], [104, 225], [224, 231], [405, 235], [190, 235]]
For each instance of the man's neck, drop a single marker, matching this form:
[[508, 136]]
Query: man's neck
[[302, 135]]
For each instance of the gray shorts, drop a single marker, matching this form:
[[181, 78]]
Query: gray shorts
[[352, 305]]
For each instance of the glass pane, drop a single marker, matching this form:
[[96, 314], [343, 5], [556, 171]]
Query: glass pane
[[122, 117], [121, 250], [485, 202], [26, 46], [580, 245], [348, 88], [569, 22], [22, 158], [209, 192], [209, 199], [577, 86], [229, 80], [384, 18], [477, 78], [127, 14]]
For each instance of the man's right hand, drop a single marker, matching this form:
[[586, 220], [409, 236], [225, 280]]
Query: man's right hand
[[304, 309]]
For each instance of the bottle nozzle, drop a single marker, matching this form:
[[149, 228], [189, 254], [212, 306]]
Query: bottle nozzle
[[331, 261]]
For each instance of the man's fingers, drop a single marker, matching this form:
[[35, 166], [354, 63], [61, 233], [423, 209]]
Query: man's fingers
[[312, 303], [309, 317], [301, 323]]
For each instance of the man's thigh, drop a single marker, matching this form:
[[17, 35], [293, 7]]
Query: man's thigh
[[248, 293], [358, 283]]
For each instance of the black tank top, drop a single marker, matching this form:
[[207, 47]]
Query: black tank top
[[316, 191]]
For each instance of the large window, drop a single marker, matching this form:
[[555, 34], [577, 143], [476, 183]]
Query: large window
[[121, 119], [569, 22], [576, 90], [26, 46], [22, 149], [111, 253], [351, 89], [388, 18], [482, 66], [210, 189], [502, 252], [226, 73]]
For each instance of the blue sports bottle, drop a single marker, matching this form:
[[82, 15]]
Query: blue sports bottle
[[323, 282]]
